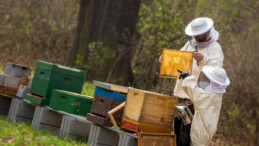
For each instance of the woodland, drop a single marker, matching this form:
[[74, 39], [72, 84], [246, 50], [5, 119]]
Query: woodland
[[120, 42]]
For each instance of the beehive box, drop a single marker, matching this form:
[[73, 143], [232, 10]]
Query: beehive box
[[156, 139], [16, 70], [148, 112], [105, 99], [6, 89], [174, 60], [70, 102], [50, 76], [100, 108]]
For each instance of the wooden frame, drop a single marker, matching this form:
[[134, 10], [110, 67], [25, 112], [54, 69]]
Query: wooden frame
[[12, 91], [170, 71], [111, 112], [144, 127]]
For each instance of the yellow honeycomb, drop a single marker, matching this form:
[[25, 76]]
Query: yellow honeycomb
[[173, 60]]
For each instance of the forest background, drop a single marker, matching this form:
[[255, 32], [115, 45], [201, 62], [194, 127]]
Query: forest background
[[120, 42]]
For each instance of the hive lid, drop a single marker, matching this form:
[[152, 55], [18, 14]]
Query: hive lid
[[61, 69], [73, 94], [109, 86]]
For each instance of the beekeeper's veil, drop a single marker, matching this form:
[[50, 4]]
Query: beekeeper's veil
[[213, 79], [200, 26]]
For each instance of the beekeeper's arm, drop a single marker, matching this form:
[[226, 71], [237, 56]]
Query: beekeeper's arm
[[190, 87], [214, 57]]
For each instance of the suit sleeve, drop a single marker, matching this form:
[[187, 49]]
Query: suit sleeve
[[214, 57]]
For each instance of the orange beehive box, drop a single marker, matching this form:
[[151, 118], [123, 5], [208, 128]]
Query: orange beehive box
[[174, 60], [156, 139], [148, 112]]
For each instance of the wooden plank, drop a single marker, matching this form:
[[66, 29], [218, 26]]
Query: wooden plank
[[144, 127], [98, 120], [134, 103], [129, 125], [156, 139], [157, 120], [158, 109], [8, 90], [101, 85], [119, 89], [101, 105], [109, 86]]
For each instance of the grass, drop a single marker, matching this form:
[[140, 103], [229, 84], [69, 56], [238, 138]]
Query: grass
[[88, 89], [24, 134]]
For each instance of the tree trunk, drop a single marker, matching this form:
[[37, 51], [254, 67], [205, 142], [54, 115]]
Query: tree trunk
[[111, 22]]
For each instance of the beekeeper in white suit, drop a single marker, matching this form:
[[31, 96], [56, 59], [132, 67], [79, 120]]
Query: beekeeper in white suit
[[206, 96], [207, 51]]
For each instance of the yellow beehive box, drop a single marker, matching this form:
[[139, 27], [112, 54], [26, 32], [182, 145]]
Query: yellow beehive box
[[174, 60], [148, 111]]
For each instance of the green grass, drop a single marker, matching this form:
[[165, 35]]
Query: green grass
[[24, 134], [88, 89]]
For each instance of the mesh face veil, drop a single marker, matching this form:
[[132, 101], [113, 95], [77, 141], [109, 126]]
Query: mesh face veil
[[203, 81]]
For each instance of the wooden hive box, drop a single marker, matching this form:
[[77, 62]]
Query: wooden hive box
[[148, 112], [107, 96], [156, 139], [24, 81], [16, 70], [50, 76], [70, 102]]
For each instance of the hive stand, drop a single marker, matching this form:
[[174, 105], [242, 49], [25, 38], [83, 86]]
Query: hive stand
[[46, 119], [126, 140], [100, 136], [5, 103], [23, 91], [76, 127], [21, 111]]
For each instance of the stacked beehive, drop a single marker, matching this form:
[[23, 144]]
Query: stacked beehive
[[106, 97], [151, 115], [71, 102], [49, 77], [14, 77]]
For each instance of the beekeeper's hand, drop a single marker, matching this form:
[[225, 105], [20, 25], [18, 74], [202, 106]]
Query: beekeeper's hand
[[160, 58], [197, 56], [183, 75]]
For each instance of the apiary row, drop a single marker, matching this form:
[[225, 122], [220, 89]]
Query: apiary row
[[147, 114]]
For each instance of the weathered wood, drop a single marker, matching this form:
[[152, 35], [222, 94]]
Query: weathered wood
[[25, 80], [102, 105], [8, 90], [134, 104], [138, 126], [111, 86], [151, 109], [156, 139], [99, 120], [111, 112]]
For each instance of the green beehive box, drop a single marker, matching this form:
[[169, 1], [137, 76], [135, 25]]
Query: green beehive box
[[50, 76], [70, 102]]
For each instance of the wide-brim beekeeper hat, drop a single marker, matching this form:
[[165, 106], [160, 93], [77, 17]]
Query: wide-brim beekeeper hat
[[199, 26], [217, 75]]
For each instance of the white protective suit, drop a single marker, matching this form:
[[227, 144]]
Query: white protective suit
[[213, 56], [207, 107]]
